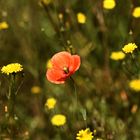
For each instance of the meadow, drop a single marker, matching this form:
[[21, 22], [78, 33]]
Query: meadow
[[69, 70]]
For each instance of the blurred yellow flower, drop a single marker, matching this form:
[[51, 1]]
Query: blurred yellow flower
[[49, 64], [60, 16], [58, 120], [135, 84], [3, 25], [50, 103], [119, 55], [109, 4], [81, 18], [136, 12], [12, 68], [46, 1], [35, 90], [85, 135], [129, 48], [134, 108]]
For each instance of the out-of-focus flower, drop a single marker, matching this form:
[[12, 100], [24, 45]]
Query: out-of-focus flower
[[12, 68], [136, 12], [35, 90], [60, 16], [63, 66], [123, 95], [49, 64], [129, 48], [135, 84], [119, 55], [46, 2], [81, 18], [134, 108], [50, 103], [3, 25], [58, 120], [109, 4], [85, 134]]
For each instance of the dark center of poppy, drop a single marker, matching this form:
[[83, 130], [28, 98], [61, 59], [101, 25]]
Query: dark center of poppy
[[66, 70]]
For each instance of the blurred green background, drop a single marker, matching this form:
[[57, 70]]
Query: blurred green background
[[36, 32]]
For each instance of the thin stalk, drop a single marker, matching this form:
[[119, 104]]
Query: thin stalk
[[11, 107], [134, 61], [75, 93], [82, 110]]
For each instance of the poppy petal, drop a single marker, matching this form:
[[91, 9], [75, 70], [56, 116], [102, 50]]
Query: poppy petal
[[55, 76], [61, 60], [75, 63]]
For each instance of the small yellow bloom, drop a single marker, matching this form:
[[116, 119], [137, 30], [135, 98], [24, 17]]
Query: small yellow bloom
[[85, 135], [109, 4], [119, 55], [134, 108], [81, 18], [50, 103], [129, 48], [3, 25], [136, 12], [12, 68], [135, 84], [58, 120], [60, 16], [35, 90], [46, 1], [49, 64]]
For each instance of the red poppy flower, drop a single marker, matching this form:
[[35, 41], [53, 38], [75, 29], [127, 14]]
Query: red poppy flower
[[63, 66]]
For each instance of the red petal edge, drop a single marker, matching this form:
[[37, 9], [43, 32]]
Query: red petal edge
[[75, 63], [55, 76]]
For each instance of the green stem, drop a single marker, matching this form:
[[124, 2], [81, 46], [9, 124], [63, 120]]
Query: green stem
[[82, 110], [135, 62], [11, 107], [75, 93]]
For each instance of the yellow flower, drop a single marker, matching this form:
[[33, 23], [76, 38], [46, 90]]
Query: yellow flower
[[135, 84], [129, 48], [136, 12], [46, 1], [81, 18], [35, 89], [60, 16], [12, 68], [49, 64], [109, 4], [119, 55], [50, 103], [85, 135], [3, 25], [58, 120]]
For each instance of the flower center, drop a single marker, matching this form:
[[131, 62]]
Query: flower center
[[66, 70]]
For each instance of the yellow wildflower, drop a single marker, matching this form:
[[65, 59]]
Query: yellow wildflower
[[81, 18], [85, 135], [46, 1], [134, 108], [12, 68], [49, 64], [135, 84], [119, 55], [136, 12], [60, 16], [58, 120], [35, 90], [3, 25], [109, 4], [129, 48], [50, 103]]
